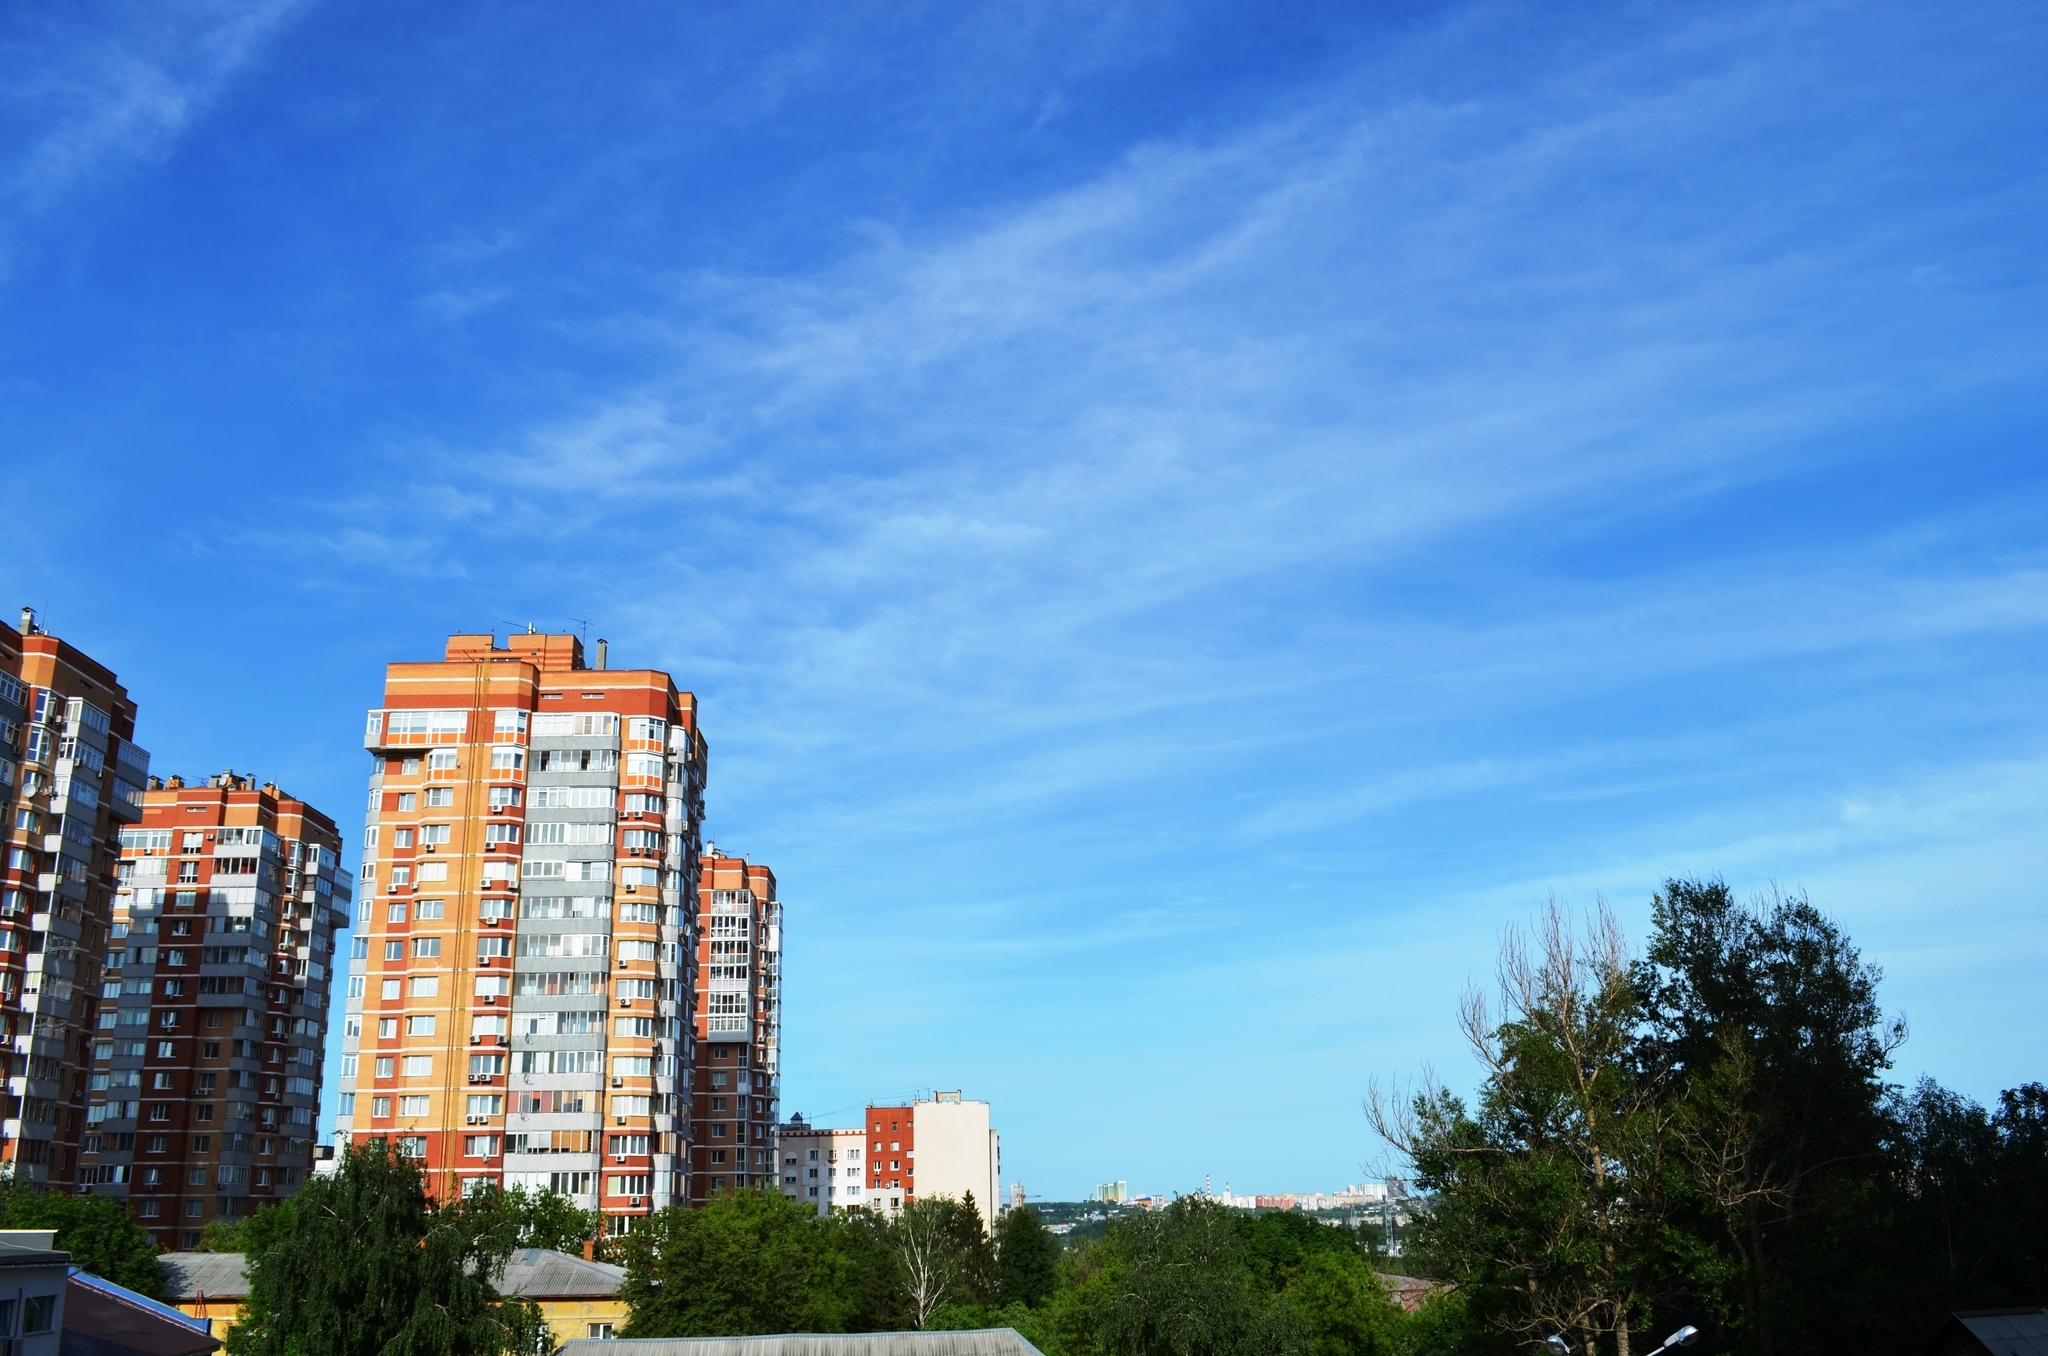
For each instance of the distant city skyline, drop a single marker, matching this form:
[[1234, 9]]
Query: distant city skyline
[[1183, 522]]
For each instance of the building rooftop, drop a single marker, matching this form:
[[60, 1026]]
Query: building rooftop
[[104, 1319], [531, 1273], [1999, 1332], [192, 1276], [538, 1274], [980, 1342]]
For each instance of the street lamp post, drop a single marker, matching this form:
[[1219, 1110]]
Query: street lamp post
[[1684, 1337]]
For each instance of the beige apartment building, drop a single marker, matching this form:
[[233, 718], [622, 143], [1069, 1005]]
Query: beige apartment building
[[937, 1146], [821, 1166], [520, 992]]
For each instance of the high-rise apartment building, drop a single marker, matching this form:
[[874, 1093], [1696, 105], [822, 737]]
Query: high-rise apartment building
[[739, 1027], [937, 1146], [206, 1059], [525, 952], [71, 776]]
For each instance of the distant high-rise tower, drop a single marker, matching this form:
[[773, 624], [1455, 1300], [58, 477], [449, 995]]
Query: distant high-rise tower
[[71, 776], [206, 1065], [739, 1027], [518, 1002]]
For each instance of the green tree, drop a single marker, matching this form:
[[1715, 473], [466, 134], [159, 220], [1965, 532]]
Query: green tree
[[746, 1263], [1027, 1258], [541, 1219], [98, 1232], [1279, 1243], [1179, 1286], [1969, 1218], [1769, 1021], [363, 1263], [252, 1233], [928, 1257], [870, 1286], [974, 1253], [1347, 1309], [1550, 1195]]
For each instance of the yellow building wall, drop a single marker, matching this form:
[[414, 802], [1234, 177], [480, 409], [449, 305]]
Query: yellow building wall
[[568, 1319]]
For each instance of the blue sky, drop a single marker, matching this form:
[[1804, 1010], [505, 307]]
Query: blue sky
[[1186, 520]]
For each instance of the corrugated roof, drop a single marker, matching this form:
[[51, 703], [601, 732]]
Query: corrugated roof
[[980, 1342], [2009, 1332], [534, 1273], [217, 1275], [104, 1319], [539, 1273]]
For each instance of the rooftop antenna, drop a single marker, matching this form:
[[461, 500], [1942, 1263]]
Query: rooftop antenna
[[582, 629]]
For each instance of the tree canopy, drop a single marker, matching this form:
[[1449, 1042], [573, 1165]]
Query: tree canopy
[[364, 1263], [98, 1232]]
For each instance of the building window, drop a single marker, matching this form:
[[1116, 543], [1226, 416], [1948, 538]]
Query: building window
[[601, 1332]]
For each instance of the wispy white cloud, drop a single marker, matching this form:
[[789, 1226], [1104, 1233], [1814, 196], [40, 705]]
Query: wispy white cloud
[[94, 90]]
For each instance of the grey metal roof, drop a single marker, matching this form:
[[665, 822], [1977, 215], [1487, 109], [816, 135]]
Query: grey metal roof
[[533, 1273], [2009, 1332], [538, 1273], [980, 1342], [217, 1275]]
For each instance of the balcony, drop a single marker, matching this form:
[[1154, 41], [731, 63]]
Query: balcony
[[398, 729]]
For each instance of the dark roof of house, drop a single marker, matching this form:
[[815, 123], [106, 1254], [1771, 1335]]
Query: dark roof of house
[[104, 1319], [1998, 1332], [216, 1275], [978, 1342]]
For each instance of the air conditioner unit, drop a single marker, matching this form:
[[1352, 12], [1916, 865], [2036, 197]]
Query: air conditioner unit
[[490, 998], [500, 1040], [618, 1082], [622, 1120], [476, 1040], [636, 1202], [625, 1002]]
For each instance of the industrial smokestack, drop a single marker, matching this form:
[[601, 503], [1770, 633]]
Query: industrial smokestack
[[600, 651]]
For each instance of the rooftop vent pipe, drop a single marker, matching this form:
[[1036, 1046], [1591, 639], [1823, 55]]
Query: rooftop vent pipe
[[600, 651]]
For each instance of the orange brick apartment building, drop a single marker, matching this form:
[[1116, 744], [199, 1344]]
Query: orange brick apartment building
[[206, 1063], [738, 1079], [71, 776], [518, 996]]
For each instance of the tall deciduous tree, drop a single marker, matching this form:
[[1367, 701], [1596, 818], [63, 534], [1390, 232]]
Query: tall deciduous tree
[[363, 1263], [1027, 1257], [1177, 1285], [928, 1255], [749, 1262], [1550, 1194], [98, 1232], [1769, 1022]]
